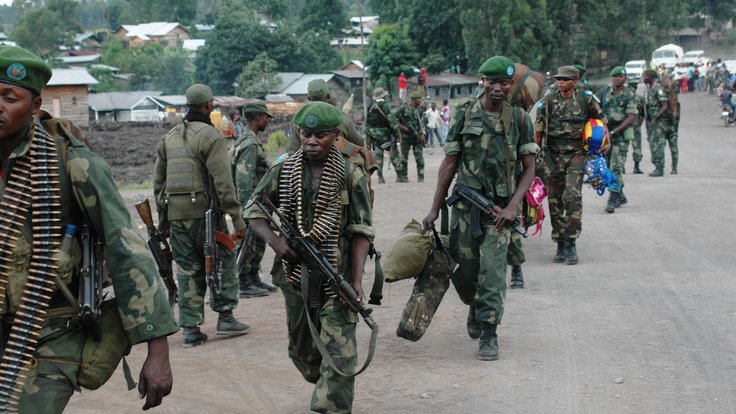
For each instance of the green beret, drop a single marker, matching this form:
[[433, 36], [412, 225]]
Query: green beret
[[198, 94], [256, 108], [21, 67], [318, 90], [498, 67], [580, 69], [318, 116], [618, 71], [650, 72], [415, 95]]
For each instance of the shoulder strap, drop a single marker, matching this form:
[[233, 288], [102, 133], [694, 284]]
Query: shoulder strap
[[520, 85]]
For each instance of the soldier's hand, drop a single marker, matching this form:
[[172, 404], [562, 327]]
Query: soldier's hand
[[155, 380], [281, 248], [240, 234], [504, 217], [604, 149], [422, 139], [428, 222], [358, 288]]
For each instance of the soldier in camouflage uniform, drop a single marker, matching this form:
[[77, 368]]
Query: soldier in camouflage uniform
[[336, 197], [660, 125], [636, 142], [561, 117], [249, 163], [410, 123], [54, 366], [380, 126], [188, 158], [487, 137], [619, 106]]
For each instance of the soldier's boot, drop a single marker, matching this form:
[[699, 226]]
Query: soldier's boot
[[193, 337], [621, 200], [488, 349], [474, 327], [402, 179], [560, 256], [228, 325], [381, 180], [611, 204], [674, 167], [658, 172], [571, 252], [420, 179], [260, 283], [517, 278], [249, 287], [637, 170]]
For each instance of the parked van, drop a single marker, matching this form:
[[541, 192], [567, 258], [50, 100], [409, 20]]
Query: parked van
[[669, 55], [693, 56], [635, 68]]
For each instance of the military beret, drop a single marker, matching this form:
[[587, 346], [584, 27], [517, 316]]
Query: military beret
[[318, 90], [580, 68], [256, 108], [498, 67], [318, 116], [650, 72], [415, 95], [567, 72], [198, 94], [618, 71], [21, 67]]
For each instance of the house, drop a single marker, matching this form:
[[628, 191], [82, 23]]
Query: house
[[89, 40], [370, 22], [160, 32], [192, 45], [296, 86], [350, 76], [139, 106], [81, 60], [448, 86], [66, 95]]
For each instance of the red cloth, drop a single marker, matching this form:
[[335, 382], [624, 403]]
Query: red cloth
[[402, 82]]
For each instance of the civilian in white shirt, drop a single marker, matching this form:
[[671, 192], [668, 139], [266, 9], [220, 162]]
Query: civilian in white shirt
[[433, 124]]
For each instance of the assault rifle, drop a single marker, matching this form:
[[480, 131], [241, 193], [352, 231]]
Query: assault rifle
[[214, 242], [246, 248], [317, 262], [90, 283], [478, 203], [160, 250]]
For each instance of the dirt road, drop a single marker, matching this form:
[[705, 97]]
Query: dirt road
[[644, 324]]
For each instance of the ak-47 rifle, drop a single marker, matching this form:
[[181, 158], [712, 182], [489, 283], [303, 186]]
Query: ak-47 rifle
[[395, 137], [214, 242], [90, 283], [160, 249], [246, 247], [478, 204]]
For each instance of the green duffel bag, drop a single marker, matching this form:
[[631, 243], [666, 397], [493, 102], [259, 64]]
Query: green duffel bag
[[408, 254]]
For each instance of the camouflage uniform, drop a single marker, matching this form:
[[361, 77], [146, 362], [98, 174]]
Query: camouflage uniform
[[410, 116], [480, 278], [185, 215], [664, 129], [565, 157], [248, 165], [337, 324], [378, 131], [636, 142], [617, 106], [140, 296]]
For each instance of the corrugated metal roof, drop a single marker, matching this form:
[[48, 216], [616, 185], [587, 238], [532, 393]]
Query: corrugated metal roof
[[61, 77], [149, 29], [193, 44], [287, 78], [350, 74], [80, 59], [300, 86], [111, 101]]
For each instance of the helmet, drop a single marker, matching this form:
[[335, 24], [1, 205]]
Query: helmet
[[595, 135]]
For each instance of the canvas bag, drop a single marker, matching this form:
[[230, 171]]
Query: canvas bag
[[408, 254]]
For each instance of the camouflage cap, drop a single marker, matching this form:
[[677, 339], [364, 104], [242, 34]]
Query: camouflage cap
[[618, 71], [650, 72], [257, 108], [415, 95], [318, 90], [379, 93], [317, 116], [567, 72], [498, 67], [198, 94], [21, 67]]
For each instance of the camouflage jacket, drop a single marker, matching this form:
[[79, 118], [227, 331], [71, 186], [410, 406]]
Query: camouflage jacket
[[487, 153], [208, 149], [617, 106], [564, 119], [346, 128], [248, 165], [655, 96], [640, 108], [410, 117], [380, 126], [89, 196]]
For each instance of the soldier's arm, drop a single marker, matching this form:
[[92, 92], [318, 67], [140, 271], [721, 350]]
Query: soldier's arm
[[360, 227], [216, 160], [159, 183], [245, 173], [347, 127]]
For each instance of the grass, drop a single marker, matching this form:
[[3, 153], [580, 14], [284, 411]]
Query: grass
[[146, 185]]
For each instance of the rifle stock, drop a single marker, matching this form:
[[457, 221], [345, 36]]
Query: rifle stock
[[160, 250], [90, 283]]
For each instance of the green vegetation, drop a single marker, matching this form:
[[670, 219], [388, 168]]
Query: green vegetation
[[276, 143]]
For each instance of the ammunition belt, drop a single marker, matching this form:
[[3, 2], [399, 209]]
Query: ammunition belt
[[33, 186]]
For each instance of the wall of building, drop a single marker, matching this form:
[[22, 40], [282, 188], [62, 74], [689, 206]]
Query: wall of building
[[69, 102]]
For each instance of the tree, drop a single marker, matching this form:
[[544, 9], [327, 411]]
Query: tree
[[258, 78], [323, 15], [389, 53], [40, 31], [175, 72]]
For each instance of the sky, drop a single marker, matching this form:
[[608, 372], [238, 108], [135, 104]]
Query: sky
[[6, 2]]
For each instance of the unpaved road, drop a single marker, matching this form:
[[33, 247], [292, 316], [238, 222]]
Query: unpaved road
[[644, 324]]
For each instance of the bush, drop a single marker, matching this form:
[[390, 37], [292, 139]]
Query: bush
[[276, 143]]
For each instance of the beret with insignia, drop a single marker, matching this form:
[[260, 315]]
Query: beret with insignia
[[317, 116], [21, 67]]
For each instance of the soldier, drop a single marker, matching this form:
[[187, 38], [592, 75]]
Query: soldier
[[660, 124], [50, 180], [382, 131], [636, 142], [619, 106], [318, 173], [561, 117], [486, 138], [191, 172], [248, 165], [410, 123]]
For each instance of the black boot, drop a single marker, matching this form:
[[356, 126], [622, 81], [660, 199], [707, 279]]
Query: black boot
[[228, 325], [611, 204], [249, 287], [571, 252], [488, 349], [517, 278], [621, 200], [674, 167], [381, 180], [560, 256], [193, 337], [474, 327], [637, 170], [658, 172], [258, 282]]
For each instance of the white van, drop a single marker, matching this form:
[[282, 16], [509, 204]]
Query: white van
[[635, 68], [693, 56], [668, 55]]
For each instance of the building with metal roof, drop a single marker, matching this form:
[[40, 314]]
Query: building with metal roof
[[159, 32], [138, 106], [66, 95]]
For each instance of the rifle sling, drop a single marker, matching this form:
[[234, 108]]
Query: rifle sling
[[318, 340]]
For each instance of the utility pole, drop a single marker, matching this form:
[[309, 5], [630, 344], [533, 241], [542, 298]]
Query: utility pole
[[362, 59]]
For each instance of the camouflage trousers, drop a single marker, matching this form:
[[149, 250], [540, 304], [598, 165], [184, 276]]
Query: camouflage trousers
[[252, 263], [187, 244], [662, 133], [515, 255], [375, 137], [336, 324], [564, 173], [636, 145], [395, 159], [418, 149], [480, 277], [617, 158]]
